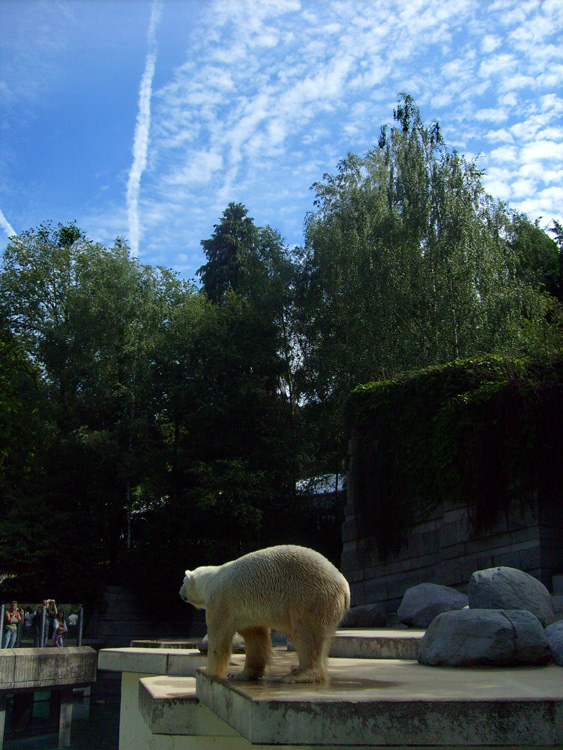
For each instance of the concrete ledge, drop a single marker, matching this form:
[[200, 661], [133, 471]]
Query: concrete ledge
[[36, 668], [395, 703], [169, 706], [158, 661], [376, 644], [191, 644]]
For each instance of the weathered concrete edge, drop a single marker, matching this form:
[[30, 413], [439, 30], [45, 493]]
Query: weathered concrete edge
[[34, 669], [153, 709], [157, 661], [532, 723], [358, 647], [178, 715]]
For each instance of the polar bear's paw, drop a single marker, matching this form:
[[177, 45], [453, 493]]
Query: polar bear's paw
[[244, 676], [304, 676]]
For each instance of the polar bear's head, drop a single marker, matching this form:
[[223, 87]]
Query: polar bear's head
[[191, 592]]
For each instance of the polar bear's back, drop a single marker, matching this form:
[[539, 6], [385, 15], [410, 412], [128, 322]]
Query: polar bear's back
[[277, 584]]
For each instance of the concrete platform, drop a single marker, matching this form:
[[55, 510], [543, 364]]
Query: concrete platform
[[46, 668], [169, 706], [381, 643], [400, 703], [158, 661], [59, 670], [190, 643]]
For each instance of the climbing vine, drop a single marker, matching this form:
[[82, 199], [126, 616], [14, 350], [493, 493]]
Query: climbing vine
[[485, 431]]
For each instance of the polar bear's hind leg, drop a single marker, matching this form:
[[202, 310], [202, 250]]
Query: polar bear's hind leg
[[311, 645], [258, 648]]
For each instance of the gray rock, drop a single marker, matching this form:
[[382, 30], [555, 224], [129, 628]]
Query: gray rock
[[484, 637], [510, 588], [365, 616], [554, 634], [422, 603], [238, 644]]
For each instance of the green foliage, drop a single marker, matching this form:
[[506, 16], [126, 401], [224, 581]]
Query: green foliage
[[484, 431], [231, 253], [409, 263]]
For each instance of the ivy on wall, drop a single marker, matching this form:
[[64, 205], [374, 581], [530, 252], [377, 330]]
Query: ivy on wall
[[485, 431]]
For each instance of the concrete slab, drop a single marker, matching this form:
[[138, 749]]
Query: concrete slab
[[169, 706], [159, 661], [381, 643], [394, 703], [190, 644], [36, 668]]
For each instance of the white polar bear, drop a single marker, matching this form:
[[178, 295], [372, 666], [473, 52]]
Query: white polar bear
[[292, 589]]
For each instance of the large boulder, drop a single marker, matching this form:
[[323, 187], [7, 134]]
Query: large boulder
[[510, 588], [422, 603], [237, 646], [554, 634], [365, 616], [484, 637]]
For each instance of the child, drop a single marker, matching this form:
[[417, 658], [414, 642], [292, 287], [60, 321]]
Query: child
[[59, 629]]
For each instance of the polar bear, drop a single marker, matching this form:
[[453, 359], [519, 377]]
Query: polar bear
[[289, 588]]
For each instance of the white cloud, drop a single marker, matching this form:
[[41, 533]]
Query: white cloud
[[199, 171], [489, 43], [500, 136], [505, 154], [6, 226], [542, 151], [142, 131], [491, 115], [276, 93], [523, 188]]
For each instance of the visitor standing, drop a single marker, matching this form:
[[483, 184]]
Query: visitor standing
[[60, 629], [44, 612], [12, 618]]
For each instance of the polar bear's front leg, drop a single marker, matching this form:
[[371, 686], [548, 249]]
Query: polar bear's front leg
[[220, 643]]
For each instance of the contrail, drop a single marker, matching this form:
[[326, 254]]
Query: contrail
[[6, 226], [142, 130]]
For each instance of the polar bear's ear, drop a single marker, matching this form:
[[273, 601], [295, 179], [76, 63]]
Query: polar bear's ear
[[188, 574]]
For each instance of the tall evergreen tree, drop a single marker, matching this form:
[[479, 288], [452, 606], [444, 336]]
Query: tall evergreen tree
[[230, 252]]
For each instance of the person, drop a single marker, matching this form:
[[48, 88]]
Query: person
[[60, 628], [12, 618], [28, 615], [49, 606]]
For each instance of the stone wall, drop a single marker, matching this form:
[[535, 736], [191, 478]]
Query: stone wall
[[123, 620], [442, 549]]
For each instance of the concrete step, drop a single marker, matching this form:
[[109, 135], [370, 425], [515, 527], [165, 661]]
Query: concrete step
[[376, 644], [169, 706], [368, 703], [191, 643], [157, 661]]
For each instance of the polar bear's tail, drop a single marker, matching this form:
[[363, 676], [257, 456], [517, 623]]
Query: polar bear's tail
[[346, 601]]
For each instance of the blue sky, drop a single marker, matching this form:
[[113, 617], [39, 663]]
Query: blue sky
[[145, 118]]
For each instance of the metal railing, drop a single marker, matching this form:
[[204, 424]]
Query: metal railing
[[42, 630]]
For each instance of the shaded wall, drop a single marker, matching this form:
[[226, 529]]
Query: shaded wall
[[442, 549], [124, 620]]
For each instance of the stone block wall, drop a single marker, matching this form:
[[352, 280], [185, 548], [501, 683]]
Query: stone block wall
[[123, 621], [442, 549]]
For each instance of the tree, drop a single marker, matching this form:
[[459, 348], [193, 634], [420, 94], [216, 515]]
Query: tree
[[230, 252], [90, 320], [407, 263]]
